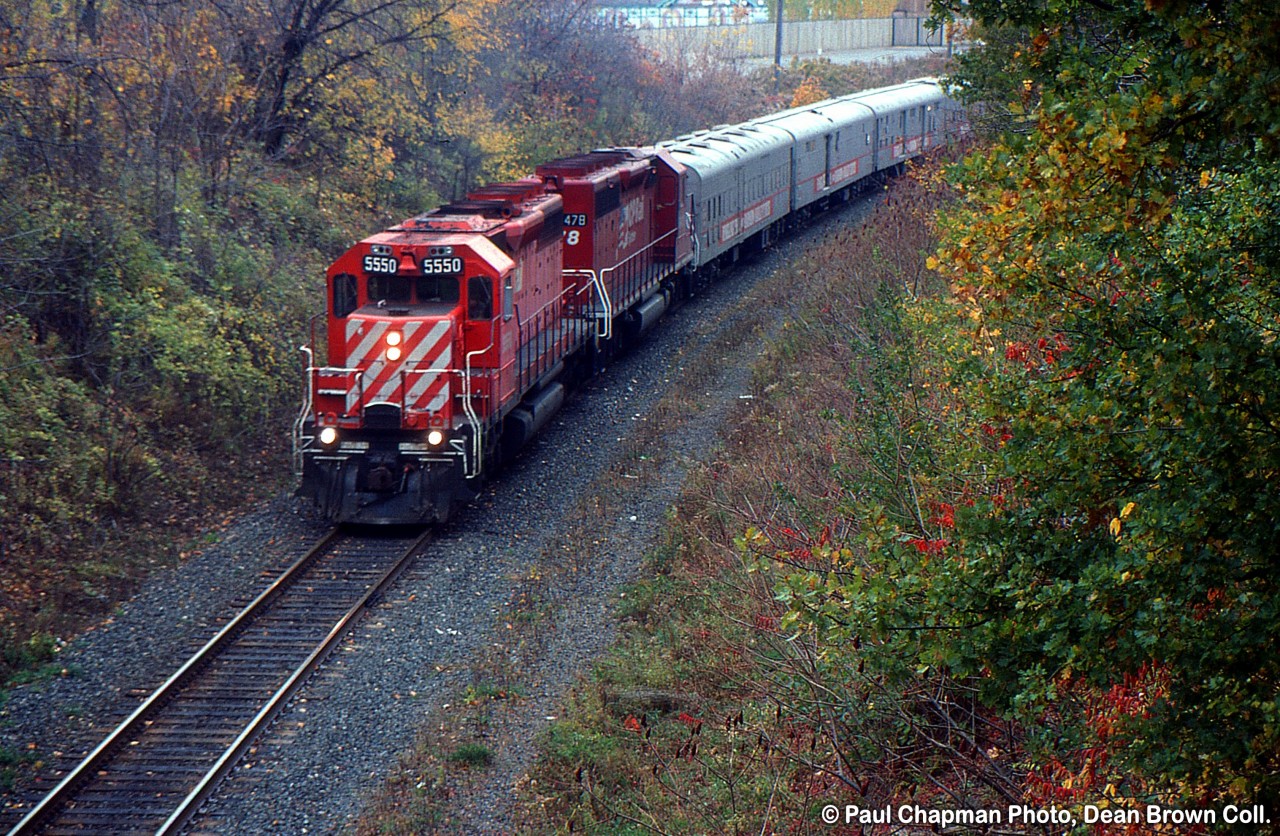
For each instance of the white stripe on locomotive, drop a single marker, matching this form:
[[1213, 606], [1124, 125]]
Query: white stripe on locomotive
[[438, 344], [357, 353], [387, 378]]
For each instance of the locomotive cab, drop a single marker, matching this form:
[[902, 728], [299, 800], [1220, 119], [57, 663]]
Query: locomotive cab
[[434, 328], [388, 438]]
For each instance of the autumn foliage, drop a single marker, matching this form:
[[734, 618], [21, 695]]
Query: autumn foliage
[[176, 178], [1008, 538], [1114, 268]]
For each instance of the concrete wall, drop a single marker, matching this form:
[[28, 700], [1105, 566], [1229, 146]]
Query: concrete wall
[[799, 38]]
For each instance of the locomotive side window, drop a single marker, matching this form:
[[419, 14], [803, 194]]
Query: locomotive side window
[[479, 298], [344, 295], [384, 288], [437, 289]]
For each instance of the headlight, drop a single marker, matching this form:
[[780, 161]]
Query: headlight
[[393, 338], [328, 435], [435, 437], [393, 354]]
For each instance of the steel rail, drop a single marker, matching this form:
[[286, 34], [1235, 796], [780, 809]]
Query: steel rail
[[161, 695], [190, 805], [57, 799]]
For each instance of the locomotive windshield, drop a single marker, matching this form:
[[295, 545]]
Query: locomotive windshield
[[413, 290], [344, 295], [437, 289], [390, 289]]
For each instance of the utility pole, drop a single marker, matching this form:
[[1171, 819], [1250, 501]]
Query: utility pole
[[777, 54]]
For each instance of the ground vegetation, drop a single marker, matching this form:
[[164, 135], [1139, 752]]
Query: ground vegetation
[[999, 533], [177, 177], [1114, 255]]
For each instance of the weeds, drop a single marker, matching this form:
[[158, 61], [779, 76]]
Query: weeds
[[10, 763], [27, 660], [471, 755], [764, 691], [487, 691]]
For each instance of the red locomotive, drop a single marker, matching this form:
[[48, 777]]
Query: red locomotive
[[451, 337]]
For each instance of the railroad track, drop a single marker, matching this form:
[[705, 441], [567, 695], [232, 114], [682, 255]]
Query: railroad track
[[152, 773]]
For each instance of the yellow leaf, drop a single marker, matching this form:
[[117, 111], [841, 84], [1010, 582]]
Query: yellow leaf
[[1127, 510], [1115, 527]]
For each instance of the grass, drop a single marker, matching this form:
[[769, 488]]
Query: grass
[[472, 755], [703, 718], [488, 691], [11, 761], [29, 660]]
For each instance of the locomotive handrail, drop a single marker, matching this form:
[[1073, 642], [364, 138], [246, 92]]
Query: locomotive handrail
[[640, 251], [299, 423], [531, 364], [520, 323], [693, 235], [520, 344], [472, 469], [605, 332], [651, 245]]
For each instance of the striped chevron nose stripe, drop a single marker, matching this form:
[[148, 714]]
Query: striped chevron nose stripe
[[426, 352]]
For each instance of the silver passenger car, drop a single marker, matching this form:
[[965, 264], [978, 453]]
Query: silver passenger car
[[853, 149], [746, 182], [907, 119], [738, 185], [834, 147]]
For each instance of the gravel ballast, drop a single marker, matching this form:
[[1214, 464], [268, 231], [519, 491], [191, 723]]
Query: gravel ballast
[[569, 524]]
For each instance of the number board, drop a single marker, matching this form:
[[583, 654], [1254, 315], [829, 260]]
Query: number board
[[442, 266], [383, 264], [436, 266]]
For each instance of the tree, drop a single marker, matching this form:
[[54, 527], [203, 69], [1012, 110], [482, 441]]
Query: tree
[[295, 49], [809, 91], [1119, 256]]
